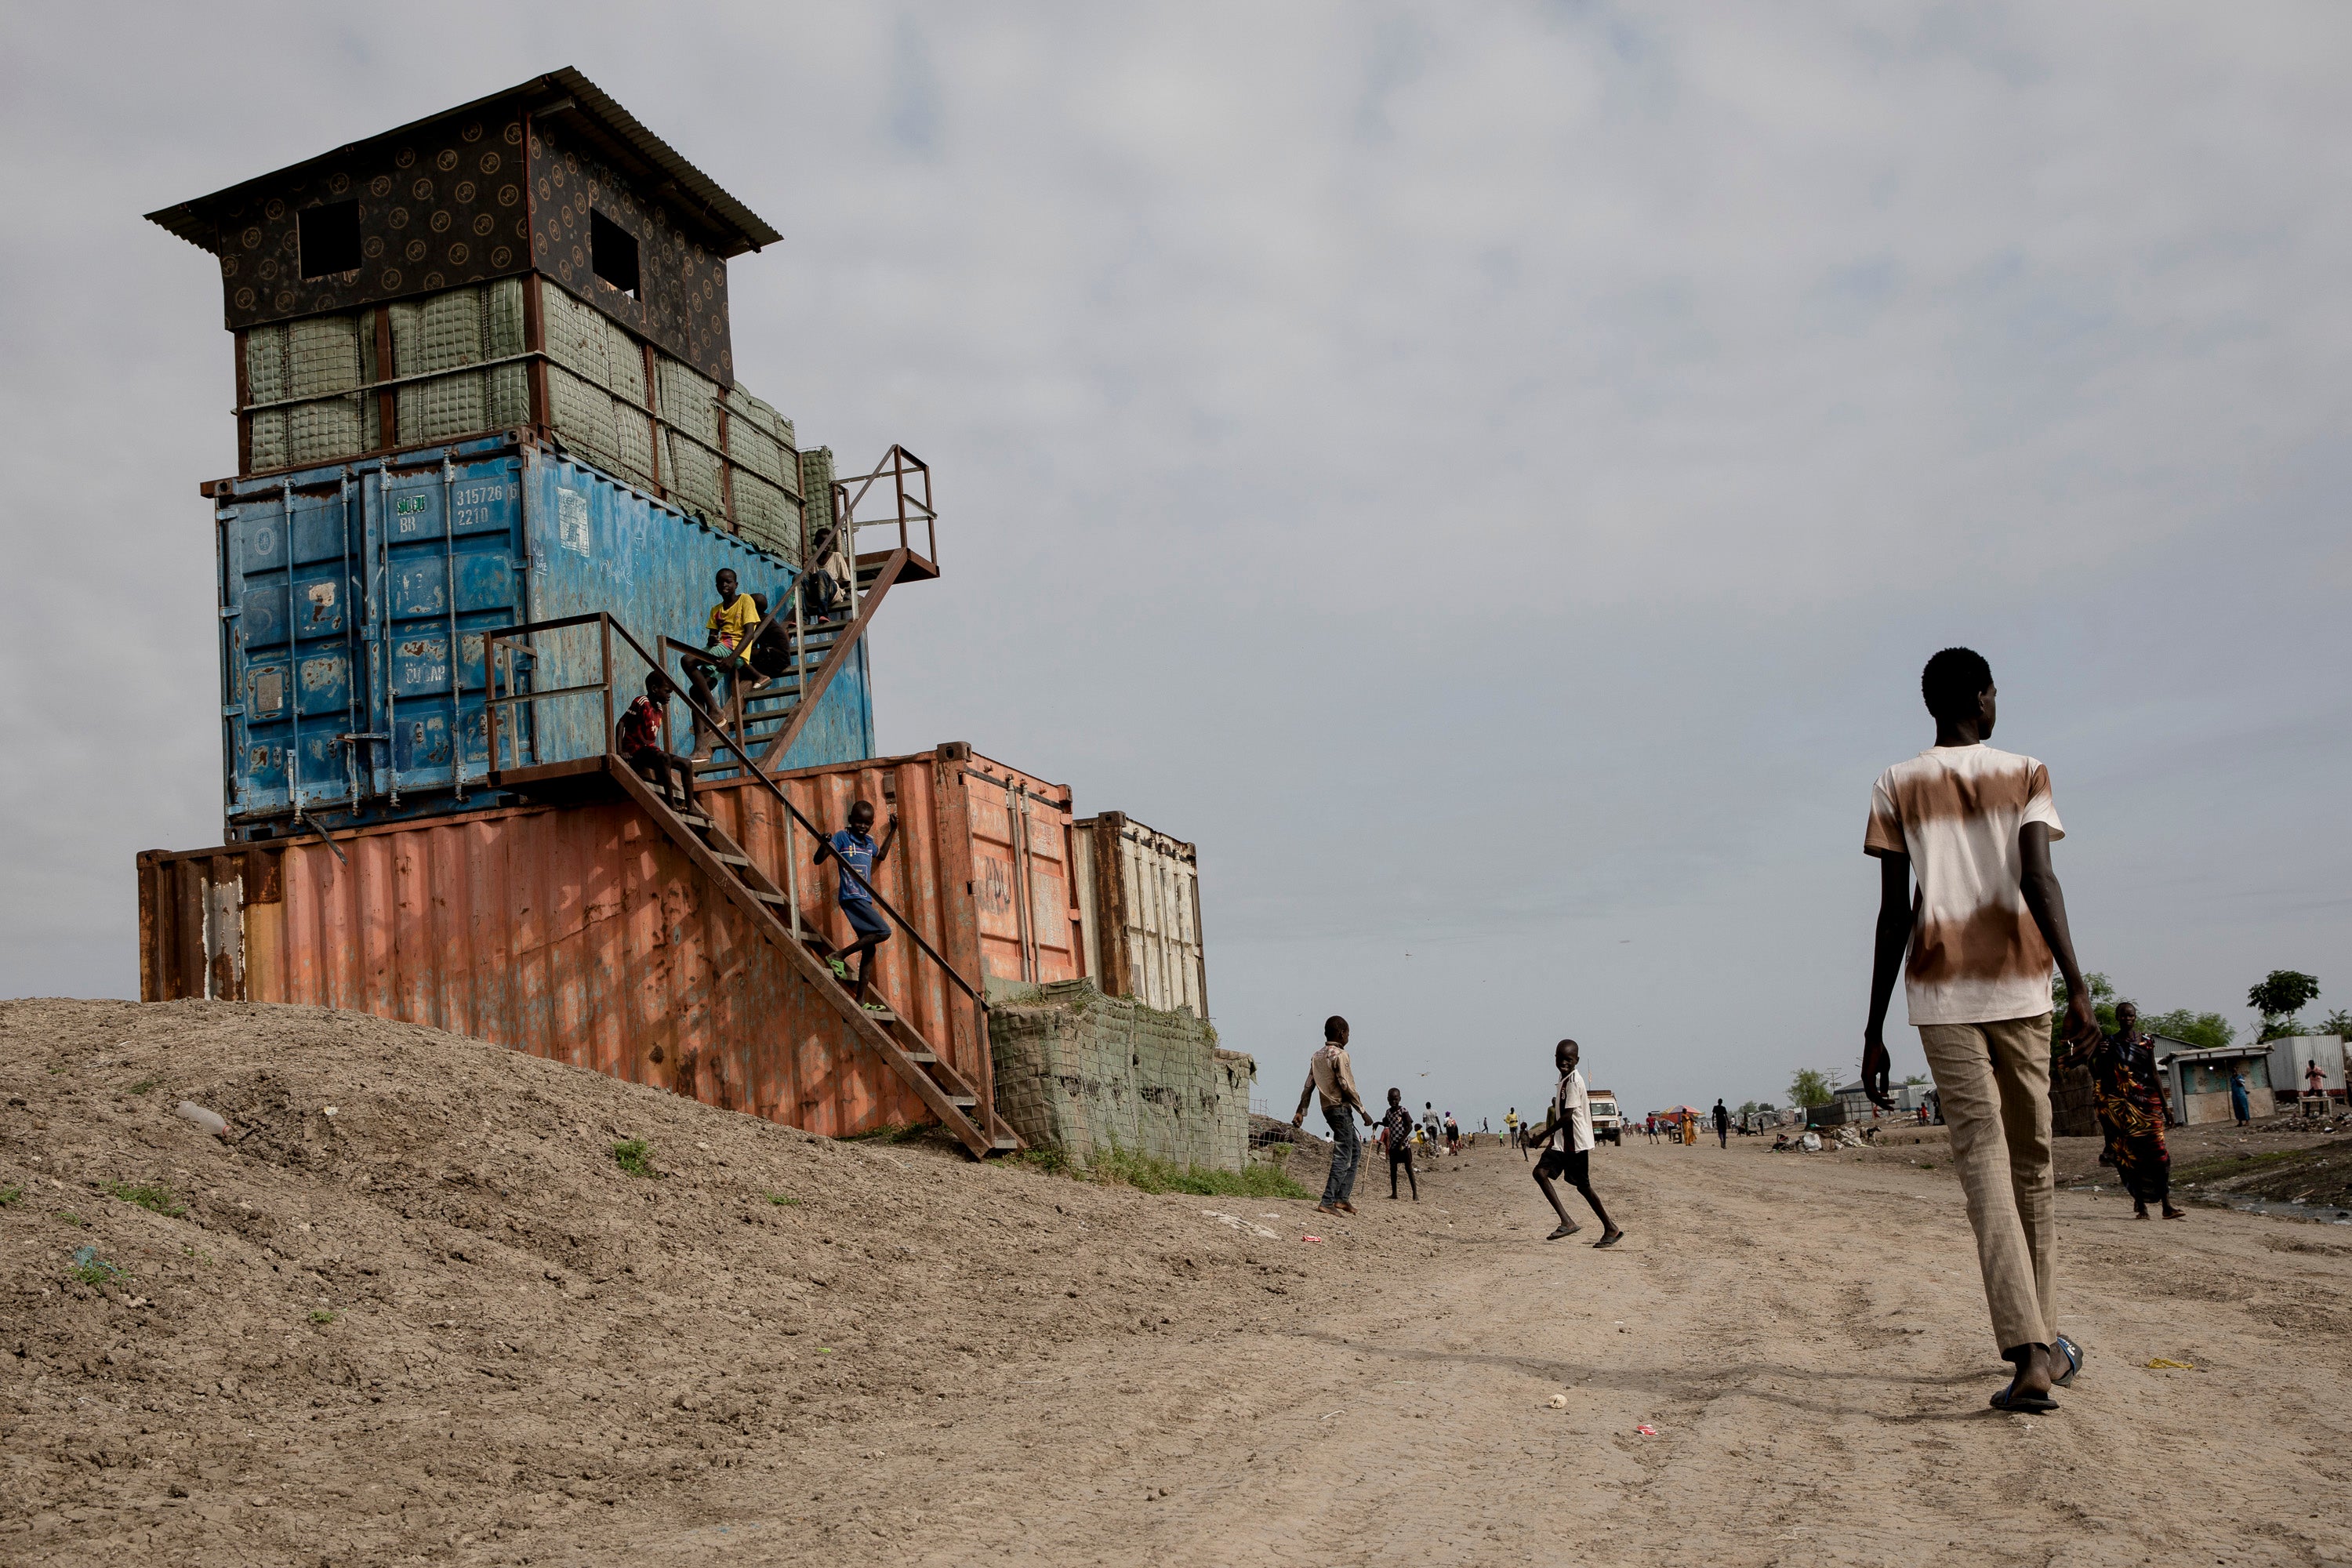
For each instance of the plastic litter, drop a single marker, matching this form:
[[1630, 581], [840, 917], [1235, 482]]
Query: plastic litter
[[2161, 1364], [1646, 1430], [207, 1119], [1235, 1222], [1558, 1401], [1311, 1239]]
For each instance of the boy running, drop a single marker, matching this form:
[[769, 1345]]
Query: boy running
[[1396, 1131], [1974, 825], [1568, 1149], [855, 848]]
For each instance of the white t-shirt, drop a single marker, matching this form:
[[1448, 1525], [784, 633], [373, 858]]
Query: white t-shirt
[[1571, 1110], [1976, 956]]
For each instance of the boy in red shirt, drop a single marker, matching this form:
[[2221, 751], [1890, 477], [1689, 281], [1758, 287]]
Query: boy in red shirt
[[640, 736]]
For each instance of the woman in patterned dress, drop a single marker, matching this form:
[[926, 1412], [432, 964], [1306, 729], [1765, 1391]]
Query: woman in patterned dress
[[2130, 1098]]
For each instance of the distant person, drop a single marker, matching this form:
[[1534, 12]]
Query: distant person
[[641, 737], [1568, 1148], [2315, 1079], [726, 639], [2242, 1104], [855, 848], [1396, 1133], [1429, 1124], [1452, 1136], [1975, 825], [1722, 1124], [825, 587], [1511, 1125], [2129, 1094]]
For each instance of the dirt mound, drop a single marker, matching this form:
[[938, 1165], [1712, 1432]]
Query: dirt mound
[[416, 1304]]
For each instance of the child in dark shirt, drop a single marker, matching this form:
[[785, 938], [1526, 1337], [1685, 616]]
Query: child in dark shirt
[[1396, 1129]]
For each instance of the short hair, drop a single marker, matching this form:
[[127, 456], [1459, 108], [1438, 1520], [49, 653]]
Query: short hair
[[1334, 1026], [761, 600], [861, 804], [1952, 681]]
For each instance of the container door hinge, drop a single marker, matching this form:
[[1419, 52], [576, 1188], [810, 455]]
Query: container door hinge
[[232, 710], [230, 612]]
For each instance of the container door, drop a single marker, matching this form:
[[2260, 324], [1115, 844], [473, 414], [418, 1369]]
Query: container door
[[290, 578], [442, 547]]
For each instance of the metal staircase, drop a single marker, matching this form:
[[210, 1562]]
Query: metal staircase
[[768, 720]]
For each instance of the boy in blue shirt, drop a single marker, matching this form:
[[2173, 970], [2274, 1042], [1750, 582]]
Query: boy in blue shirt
[[855, 848]]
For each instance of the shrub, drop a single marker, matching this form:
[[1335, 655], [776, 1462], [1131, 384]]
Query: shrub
[[151, 1196], [635, 1156]]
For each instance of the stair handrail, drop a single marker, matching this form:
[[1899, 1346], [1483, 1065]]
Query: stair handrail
[[761, 774]]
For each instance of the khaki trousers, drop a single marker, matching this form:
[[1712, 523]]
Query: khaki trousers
[[1993, 1082]]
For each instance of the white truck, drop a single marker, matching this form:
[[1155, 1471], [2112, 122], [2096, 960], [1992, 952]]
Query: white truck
[[1608, 1123]]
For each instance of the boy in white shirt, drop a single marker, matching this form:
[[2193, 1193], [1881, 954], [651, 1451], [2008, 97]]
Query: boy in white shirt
[[1975, 825], [1568, 1148]]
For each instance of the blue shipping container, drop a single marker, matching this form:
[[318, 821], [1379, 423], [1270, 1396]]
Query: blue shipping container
[[342, 588]]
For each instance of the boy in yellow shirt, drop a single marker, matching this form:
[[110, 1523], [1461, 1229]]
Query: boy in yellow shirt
[[727, 630]]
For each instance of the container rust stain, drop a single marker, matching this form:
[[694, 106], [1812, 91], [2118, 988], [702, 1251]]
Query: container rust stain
[[582, 934]]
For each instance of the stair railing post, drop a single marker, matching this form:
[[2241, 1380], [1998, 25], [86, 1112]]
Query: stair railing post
[[604, 637]]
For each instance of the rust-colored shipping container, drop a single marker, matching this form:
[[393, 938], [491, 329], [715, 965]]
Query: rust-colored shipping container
[[579, 932]]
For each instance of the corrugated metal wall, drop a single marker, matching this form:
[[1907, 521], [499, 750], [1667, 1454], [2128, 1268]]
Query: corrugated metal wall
[[581, 934], [1139, 903]]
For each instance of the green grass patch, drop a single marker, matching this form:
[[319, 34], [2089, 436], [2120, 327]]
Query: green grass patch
[[1048, 1161], [2233, 1164], [153, 1196], [9, 1196], [1118, 1167], [322, 1316], [144, 1084], [72, 1218], [635, 1156], [897, 1133], [90, 1268], [783, 1200]]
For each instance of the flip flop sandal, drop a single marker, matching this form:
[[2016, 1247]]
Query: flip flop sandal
[[1565, 1230], [2073, 1354], [2024, 1403], [1609, 1240]]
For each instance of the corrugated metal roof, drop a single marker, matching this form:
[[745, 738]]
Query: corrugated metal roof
[[734, 228]]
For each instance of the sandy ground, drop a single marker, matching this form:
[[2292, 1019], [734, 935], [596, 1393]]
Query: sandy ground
[[531, 1356]]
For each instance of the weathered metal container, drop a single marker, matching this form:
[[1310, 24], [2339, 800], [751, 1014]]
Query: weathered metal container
[[1140, 908], [580, 933], [344, 588]]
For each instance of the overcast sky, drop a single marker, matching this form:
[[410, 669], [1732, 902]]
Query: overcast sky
[[1489, 474]]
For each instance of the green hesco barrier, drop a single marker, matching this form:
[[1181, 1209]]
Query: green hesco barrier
[[1081, 1072]]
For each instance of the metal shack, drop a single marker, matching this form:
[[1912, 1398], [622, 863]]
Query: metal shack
[[485, 377]]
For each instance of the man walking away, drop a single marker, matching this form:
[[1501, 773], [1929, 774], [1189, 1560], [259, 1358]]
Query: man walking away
[[1974, 826], [1452, 1136], [855, 848], [1568, 1149], [1396, 1133], [1722, 1124], [1329, 1075]]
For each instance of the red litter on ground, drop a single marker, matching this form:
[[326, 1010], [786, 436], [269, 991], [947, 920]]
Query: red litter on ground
[[1311, 1239], [1646, 1430]]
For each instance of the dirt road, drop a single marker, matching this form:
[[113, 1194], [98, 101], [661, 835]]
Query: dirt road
[[1806, 1335], [780, 1350]]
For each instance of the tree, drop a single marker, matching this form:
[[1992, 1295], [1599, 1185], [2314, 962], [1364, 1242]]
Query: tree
[[1810, 1087], [2338, 1024], [2103, 1002], [2280, 996], [1914, 1078], [2206, 1031]]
